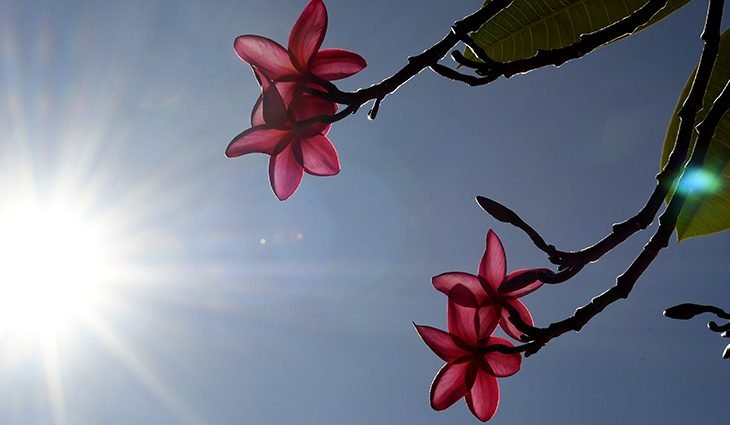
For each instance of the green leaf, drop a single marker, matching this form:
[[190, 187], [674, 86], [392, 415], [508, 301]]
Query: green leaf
[[527, 26], [707, 209]]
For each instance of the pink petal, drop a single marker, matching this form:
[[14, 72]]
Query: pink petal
[[308, 106], [288, 91], [501, 364], [261, 139], [462, 323], [445, 282], [333, 64], [319, 156], [266, 55], [261, 78], [307, 34], [257, 113], [462, 296], [524, 289], [442, 343], [274, 109], [507, 325], [449, 385], [285, 173], [488, 316], [493, 266], [483, 397]]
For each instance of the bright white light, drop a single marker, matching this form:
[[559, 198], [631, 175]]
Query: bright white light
[[52, 264]]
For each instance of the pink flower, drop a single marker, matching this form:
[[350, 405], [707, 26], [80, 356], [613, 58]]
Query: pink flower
[[282, 118], [303, 61], [296, 142], [472, 365], [491, 291]]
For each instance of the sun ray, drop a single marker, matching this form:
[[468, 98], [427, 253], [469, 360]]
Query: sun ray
[[123, 351], [54, 382]]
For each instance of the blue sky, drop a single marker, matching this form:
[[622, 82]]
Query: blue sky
[[230, 307]]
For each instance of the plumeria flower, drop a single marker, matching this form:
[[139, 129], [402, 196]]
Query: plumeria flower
[[491, 291], [302, 61], [295, 139], [281, 120], [472, 364]]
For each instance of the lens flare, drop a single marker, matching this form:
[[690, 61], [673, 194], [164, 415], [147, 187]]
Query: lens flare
[[699, 181]]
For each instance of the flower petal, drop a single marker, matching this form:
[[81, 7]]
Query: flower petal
[[445, 282], [493, 266], [261, 139], [307, 34], [462, 296], [274, 109], [449, 385], [261, 78], [462, 322], [257, 113], [522, 289], [308, 106], [266, 55], [483, 397], [502, 364], [508, 326], [334, 64], [488, 316], [441, 343], [319, 156], [285, 173]]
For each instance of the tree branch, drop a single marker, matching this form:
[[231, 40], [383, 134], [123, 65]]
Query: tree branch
[[660, 240], [572, 262], [667, 221], [418, 63]]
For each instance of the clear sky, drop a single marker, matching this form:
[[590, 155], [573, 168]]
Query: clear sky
[[222, 305]]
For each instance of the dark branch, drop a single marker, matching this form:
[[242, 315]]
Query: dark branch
[[421, 61], [572, 262], [455, 75], [667, 222]]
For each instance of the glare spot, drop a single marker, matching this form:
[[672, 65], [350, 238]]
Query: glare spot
[[262, 241], [299, 236], [699, 181]]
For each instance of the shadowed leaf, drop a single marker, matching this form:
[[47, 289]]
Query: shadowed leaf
[[527, 26]]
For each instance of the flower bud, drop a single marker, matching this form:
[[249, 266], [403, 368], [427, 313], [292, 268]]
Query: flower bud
[[685, 311]]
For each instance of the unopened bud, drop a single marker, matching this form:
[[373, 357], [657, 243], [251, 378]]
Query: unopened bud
[[496, 210], [684, 311]]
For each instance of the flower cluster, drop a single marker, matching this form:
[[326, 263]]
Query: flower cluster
[[286, 121], [474, 357]]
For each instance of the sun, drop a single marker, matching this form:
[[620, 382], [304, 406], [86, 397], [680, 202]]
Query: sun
[[52, 267]]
